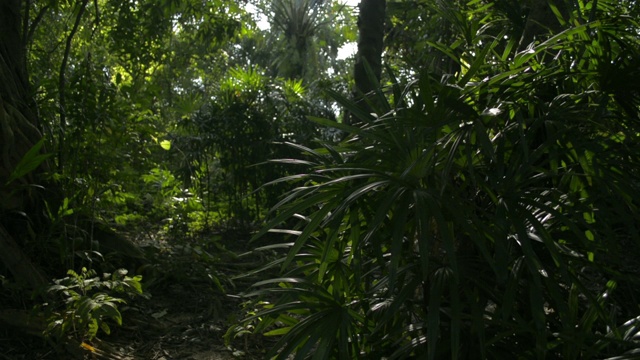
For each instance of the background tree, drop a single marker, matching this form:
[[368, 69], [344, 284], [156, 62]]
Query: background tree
[[71, 70], [260, 102], [304, 38], [154, 116], [371, 32]]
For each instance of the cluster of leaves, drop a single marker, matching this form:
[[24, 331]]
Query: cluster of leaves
[[114, 85], [109, 95], [221, 144], [134, 71], [304, 39], [486, 213], [86, 303]]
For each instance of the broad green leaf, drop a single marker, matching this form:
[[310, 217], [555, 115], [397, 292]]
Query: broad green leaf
[[165, 144], [29, 162]]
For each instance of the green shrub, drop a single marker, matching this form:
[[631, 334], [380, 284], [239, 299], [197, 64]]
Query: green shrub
[[85, 303], [480, 215]]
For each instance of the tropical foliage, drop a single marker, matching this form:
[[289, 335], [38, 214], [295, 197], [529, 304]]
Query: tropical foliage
[[89, 302], [464, 187], [305, 37], [128, 123], [476, 214], [224, 144]]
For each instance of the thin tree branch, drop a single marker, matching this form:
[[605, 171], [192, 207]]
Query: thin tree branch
[[62, 83], [35, 23]]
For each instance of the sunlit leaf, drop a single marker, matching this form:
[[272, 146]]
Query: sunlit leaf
[[165, 144]]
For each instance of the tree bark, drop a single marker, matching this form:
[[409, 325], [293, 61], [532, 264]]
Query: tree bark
[[370, 46], [18, 263], [18, 133], [18, 120]]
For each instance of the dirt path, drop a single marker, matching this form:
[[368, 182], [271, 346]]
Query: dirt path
[[185, 315], [188, 314]]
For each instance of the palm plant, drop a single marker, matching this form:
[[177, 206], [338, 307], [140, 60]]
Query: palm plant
[[299, 26], [480, 215]]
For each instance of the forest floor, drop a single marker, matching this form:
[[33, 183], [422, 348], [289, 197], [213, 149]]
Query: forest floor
[[184, 314]]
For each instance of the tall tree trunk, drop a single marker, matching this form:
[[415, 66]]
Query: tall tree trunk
[[18, 133], [370, 46]]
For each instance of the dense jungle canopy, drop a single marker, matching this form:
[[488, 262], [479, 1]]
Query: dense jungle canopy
[[463, 184]]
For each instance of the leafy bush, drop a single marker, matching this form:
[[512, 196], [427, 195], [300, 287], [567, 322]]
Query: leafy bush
[[87, 303], [223, 142], [485, 214]]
